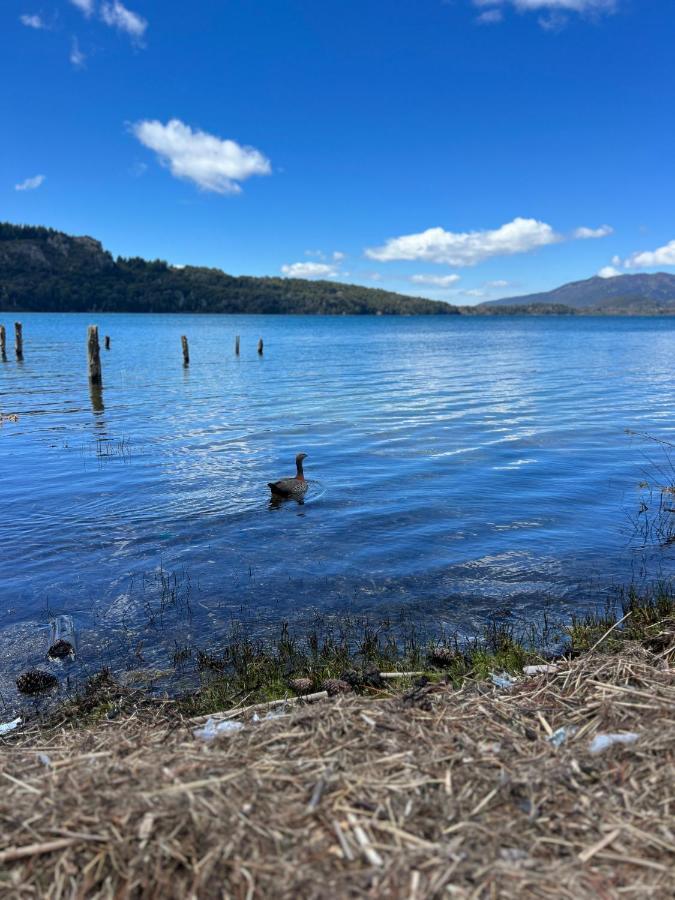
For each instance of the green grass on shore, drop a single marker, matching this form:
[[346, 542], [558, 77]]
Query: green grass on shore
[[252, 672], [245, 671]]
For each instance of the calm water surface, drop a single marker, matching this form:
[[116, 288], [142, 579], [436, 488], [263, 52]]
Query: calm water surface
[[460, 467]]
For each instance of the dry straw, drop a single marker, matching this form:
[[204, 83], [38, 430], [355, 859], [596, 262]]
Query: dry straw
[[437, 792]]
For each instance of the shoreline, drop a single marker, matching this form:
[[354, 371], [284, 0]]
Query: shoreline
[[346, 656], [446, 784]]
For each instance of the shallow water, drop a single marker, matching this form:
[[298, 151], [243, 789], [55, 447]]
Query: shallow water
[[462, 467]]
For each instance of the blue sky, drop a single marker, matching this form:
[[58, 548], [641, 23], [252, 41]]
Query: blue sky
[[462, 150]]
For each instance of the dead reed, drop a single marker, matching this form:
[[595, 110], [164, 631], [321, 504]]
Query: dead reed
[[436, 791]]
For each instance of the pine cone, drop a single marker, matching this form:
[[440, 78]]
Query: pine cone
[[35, 681], [60, 650], [336, 686], [441, 656], [301, 685]]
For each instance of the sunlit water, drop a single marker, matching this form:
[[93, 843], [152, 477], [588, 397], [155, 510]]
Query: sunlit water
[[460, 468]]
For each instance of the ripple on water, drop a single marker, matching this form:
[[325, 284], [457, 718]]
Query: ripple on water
[[455, 467]]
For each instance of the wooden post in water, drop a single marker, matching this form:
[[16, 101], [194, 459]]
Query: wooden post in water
[[236, 345], [186, 351], [107, 342], [3, 343], [18, 340], [94, 355], [260, 346]]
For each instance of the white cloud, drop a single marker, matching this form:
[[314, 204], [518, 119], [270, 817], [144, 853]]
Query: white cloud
[[336, 255], [85, 6], [490, 17], [118, 16], [499, 283], [211, 163], [435, 280], [30, 184], [647, 259], [467, 248], [554, 13], [475, 292], [579, 6], [584, 234], [608, 272], [77, 57], [553, 21], [309, 270], [32, 22]]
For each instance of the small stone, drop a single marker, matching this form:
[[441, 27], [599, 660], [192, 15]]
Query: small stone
[[60, 650], [35, 681], [301, 685], [336, 686]]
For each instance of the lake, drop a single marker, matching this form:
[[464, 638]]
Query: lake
[[460, 468]]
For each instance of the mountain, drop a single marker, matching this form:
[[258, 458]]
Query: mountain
[[42, 270], [626, 294]]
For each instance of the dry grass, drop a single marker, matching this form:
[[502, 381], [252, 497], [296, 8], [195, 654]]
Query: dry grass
[[437, 792]]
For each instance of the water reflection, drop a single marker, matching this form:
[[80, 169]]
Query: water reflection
[[96, 398], [276, 502]]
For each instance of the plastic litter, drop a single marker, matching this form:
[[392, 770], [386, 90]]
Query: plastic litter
[[513, 854], [44, 759], [490, 747], [502, 680], [6, 727], [62, 639], [212, 729], [560, 735], [540, 670], [602, 741], [275, 713]]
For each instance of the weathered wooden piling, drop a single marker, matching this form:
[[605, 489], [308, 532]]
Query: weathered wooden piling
[[186, 350], [3, 343], [236, 345], [18, 340], [94, 355], [260, 346], [107, 342]]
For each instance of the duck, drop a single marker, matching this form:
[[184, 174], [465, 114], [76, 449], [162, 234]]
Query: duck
[[294, 487]]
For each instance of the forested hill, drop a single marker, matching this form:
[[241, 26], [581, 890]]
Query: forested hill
[[43, 270]]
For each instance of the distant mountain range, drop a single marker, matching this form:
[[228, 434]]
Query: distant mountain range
[[623, 294], [43, 270]]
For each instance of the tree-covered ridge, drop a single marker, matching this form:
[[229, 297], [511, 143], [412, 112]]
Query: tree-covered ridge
[[44, 270]]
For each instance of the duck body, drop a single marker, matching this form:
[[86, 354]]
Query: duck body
[[294, 487]]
